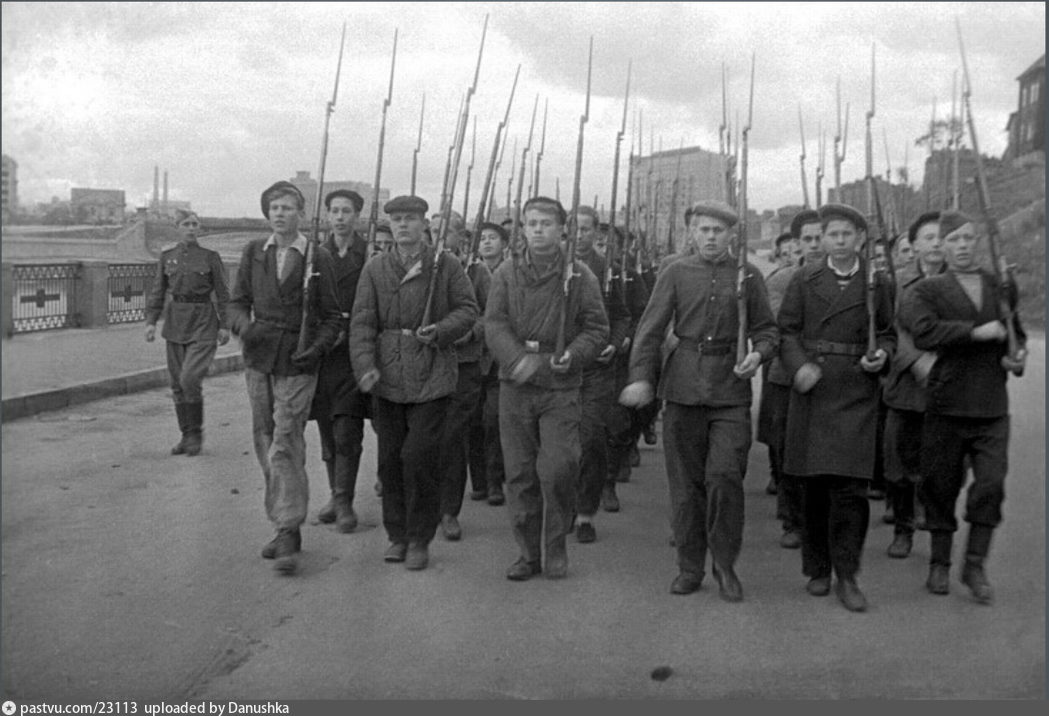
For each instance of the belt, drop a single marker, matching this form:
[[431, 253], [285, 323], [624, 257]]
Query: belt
[[402, 331], [191, 299], [707, 348], [538, 347], [836, 349], [277, 324]]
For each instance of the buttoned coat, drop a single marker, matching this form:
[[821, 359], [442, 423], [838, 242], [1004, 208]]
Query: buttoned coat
[[189, 271]]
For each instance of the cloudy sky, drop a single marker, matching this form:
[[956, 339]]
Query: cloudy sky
[[229, 97]]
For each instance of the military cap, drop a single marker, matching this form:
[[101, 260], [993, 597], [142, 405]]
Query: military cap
[[844, 212], [951, 221], [183, 214], [805, 216], [714, 208], [928, 217], [497, 229], [281, 186], [407, 204], [356, 199]]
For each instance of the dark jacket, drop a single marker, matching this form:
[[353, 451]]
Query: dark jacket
[[469, 347], [614, 302], [776, 283], [525, 305], [389, 308], [967, 379], [699, 296], [189, 273], [267, 313], [901, 389]]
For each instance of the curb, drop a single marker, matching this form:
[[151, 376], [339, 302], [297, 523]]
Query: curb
[[24, 406]]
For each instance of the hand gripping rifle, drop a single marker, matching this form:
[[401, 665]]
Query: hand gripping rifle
[[872, 329], [573, 219], [418, 144], [1002, 269], [610, 252], [489, 179], [373, 220], [446, 208], [804, 182], [309, 273], [741, 259], [515, 230]]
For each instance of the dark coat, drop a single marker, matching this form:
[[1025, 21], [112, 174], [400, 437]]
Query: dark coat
[[469, 347], [901, 389], [614, 302], [189, 274], [389, 308], [967, 379], [267, 313], [831, 429]]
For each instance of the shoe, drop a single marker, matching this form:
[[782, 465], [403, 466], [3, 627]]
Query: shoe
[[771, 488], [418, 556], [901, 545], [522, 570], [850, 595], [729, 587], [270, 550], [889, 518], [650, 435], [556, 560], [327, 513], [609, 500], [450, 528], [790, 539], [634, 458], [286, 553], [974, 578], [818, 586], [345, 519], [496, 496], [874, 493], [585, 533], [395, 552], [939, 581], [686, 583], [623, 473], [478, 495]]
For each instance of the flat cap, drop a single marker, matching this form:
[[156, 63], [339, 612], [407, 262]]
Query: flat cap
[[356, 199], [497, 229], [805, 216], [717, 209], [381, 227], [929, 217], [845, 212], [409, 204], [281, 186], [951, 221]]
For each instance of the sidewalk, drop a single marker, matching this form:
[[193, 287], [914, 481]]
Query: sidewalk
[[55, 369]]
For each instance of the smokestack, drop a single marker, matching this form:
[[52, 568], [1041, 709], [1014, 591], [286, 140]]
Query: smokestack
[[164, 206], [156, 188]]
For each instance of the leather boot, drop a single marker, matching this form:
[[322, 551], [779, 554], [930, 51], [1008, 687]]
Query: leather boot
[[940, 563], [345, 517], [180, 415], [194, 427], [976, 551], [327, 513]]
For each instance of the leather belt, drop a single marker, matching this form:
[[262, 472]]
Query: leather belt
[[277, 324], [538, 347], [707, 348], [836, 349], [191, 299], [402, 331]]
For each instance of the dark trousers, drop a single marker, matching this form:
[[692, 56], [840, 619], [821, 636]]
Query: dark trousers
[[946, 442], [837, 515], [188, 363], [774, 403], [595, 398], [455, 442], [486, 453], [903, 447], [342, 443], [706, 457], [409, 452]]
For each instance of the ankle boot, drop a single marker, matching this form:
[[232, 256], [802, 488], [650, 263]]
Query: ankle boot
[[194, 427], [976, 551], [327, 513], [940, 563], [180, 415]]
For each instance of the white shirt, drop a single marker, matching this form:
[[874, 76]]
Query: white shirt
[[299, 244]]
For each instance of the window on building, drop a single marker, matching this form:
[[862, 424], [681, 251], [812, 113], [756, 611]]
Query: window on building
[[1034, 93]]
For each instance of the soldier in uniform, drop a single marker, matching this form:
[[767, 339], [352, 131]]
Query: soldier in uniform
[[338, 406], [405, 358], [266, 311], [959, 315], [539, 408], [194, 326], [706, 430], [833, 411]]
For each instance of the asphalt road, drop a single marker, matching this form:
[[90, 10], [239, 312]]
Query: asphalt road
[[132, 574]]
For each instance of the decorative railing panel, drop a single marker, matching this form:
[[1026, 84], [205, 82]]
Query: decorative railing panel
[[128, 289], [44, 296]]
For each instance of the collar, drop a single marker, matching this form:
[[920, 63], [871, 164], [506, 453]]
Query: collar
[[848, 274], [299, 244]]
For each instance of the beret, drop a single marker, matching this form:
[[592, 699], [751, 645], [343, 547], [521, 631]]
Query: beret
[[717, 209], [497, 229], [951, 221], [354, 197], [282, 186], [407, 204], [926, 218], [845, 212], [805, 216]]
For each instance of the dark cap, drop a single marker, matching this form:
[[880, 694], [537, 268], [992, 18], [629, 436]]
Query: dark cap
[[281, 187], [929, 217], [354, 197], [497, 229], [784, 238], [381, 227], [183, 214], [844, 212], [805, 216], [714, 208], [951, 221], [407, 204]]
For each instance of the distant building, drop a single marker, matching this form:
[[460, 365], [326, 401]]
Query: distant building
[[97, 206], [308, 186], [10, 188], [1026, 126]]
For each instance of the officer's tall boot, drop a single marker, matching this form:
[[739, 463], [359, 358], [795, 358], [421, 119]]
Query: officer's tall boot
[[194, 427], [976, 551], [327, 513], [180, 415], [940, 562]]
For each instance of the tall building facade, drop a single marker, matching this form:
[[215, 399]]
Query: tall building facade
[[308, 186]]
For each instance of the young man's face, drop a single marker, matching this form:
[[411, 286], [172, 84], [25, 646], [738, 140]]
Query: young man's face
[[285, 215], [784, 257], [904, 251], [841, 240], [709, 235], [928, 246], [796, 252], [342, 216], [407, 227], [542, 231], [491, 245], [880, 264], [601, 243], [383, 241], [810, 240], [960, 247], [189, 227], [587, 232]]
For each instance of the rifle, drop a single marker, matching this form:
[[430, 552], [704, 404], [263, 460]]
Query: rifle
[[841, 140], [1002, 269], [885, 236], [611, 243], [672, 224], [629, 196], [955, 141], [821, 165], [418, 144], [872, 329], [804, 183], [446, 208], [573, 220], [515, 229], [499, 162], [542, 148], [451, 151], [893, 212], [314, 241], [469, 172], [725, 140], [932, 147], [373, 220], [741, 280], [489, 179], [510, 182]]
